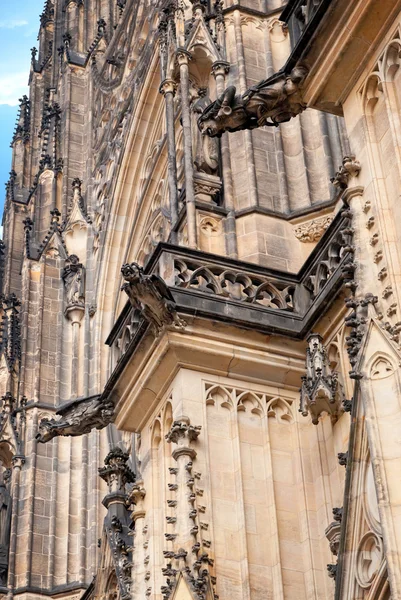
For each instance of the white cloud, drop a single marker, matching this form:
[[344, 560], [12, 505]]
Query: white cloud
[[12, 87], [13, 23]]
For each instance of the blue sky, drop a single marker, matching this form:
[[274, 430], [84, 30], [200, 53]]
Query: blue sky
[[19, 25]]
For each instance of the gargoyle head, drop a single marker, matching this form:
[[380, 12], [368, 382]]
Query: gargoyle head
[[132, 272], [46, 430], [227, 113]]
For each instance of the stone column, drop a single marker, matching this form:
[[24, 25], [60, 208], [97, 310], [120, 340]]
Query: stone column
[[250, 158], [187, 546], [117, 474], [183, 58], [17, 462], [75, 313], [219, 70], [139, 574], [168, 88]]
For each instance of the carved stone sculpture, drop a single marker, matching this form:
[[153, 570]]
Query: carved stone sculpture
[[313, 230], [74, 280], [270, 102], [151, 296], [350, 168], [77, 417], [320, 390], [205, 150]]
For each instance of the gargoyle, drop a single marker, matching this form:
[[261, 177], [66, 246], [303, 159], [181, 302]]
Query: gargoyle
[[270, 102], [150, 295], [77, 417]]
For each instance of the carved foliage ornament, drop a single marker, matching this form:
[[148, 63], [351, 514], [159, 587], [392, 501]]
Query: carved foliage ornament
[[270, 102], [313, 230]]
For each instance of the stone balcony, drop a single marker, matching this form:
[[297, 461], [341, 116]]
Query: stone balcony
[[245, 295]]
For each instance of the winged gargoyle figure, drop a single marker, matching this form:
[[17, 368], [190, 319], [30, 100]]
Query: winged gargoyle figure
[[77, 417], [151, 296], [270, 102]]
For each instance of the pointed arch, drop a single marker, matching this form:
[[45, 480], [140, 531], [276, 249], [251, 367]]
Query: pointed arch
[[219, 396], [249, 402]]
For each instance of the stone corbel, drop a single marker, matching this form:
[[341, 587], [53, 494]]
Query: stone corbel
[[333, 533]]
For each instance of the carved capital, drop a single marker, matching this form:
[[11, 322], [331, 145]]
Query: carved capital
[[220, 67], [181, 430], [18, 462], [183, 56], [75, 313], [349, 169], [168, 86]]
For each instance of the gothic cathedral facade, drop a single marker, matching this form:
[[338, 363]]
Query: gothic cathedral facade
[[200, 299]]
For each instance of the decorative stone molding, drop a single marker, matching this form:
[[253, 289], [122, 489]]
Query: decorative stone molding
[[206, 187], [350, 168], [369, 558], [150, 295], [313, 230], [320, 390], [270, 102]]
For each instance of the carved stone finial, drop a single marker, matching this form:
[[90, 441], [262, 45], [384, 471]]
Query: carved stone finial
[[183, 434], [116, 473], [270, 102], [349, 168], [320, 390], [150, 295]]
